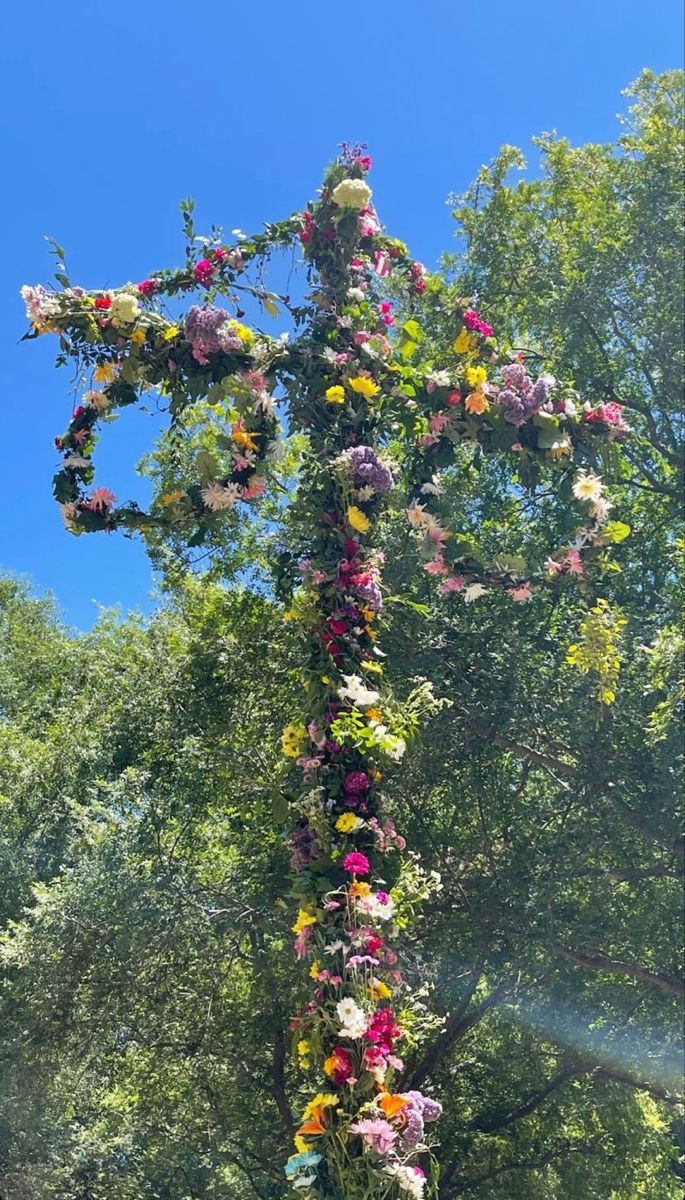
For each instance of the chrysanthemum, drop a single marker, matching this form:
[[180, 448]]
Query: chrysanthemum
[[588, 486]]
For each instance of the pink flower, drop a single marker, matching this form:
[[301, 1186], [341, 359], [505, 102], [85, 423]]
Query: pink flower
[[255, 487], [553, 566], [521, 593], [454, 398], [377, 1133], [301, 941], [436, 566], [572, 562], [100, 500], [147, 287], [357, 864], [438, 422], [356, 781], [382, 263], [204, 271], [455, 583]]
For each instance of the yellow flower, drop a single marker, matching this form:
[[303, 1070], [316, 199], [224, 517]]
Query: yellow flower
[[476, 376], [246, 335], [476, 402], [357, 519], [314, 970], [563, 445], [322, 1101], [291, 740], [138, 337], [364, 386], [303, 920], [347, 822], [380, 990], [104, 373], [300, 1144], [465, 343], [172, 497], [303, 1048], [335, 394], [170, 333], [244, 439], [374, 714], [359, 888], [372, 633]]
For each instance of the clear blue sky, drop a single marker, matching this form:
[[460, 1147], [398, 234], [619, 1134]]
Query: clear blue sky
[[113, 112]]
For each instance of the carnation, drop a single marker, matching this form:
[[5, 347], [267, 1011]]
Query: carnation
[[351, 193]]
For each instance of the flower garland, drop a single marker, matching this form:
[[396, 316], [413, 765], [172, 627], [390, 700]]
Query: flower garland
[[350, 386]]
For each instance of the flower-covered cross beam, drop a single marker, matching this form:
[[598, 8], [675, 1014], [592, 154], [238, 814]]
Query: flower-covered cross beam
[[374, 423]]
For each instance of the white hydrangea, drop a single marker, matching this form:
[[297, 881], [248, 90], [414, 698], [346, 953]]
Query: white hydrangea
[[351, 193], [124, 309]]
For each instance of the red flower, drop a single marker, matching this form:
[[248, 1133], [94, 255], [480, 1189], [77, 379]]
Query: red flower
[[147, 287], [337, 626], [103, 302]]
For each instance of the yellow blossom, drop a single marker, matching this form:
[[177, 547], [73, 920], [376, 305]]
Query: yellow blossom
[[322, 1101], [170, 333], [104, 372], [476, 402], [300, 1144], [243, 439], [380, 990], [138, 337], [314, 970], [335, 394], [303, 920], [347, 822], [303, 1048], [172, 497], [464, 343], [374, 714], [246, 335], [291, 740], [364, 386], [359, 888], [357, 519], [475, 376]]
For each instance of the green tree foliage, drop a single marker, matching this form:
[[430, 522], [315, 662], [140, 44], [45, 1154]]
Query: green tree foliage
[[144, 989]]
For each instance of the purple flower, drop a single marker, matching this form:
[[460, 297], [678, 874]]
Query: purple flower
[[208, 329], [417, 1114], [368, 469]]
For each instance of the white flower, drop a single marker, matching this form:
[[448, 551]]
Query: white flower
[[474, 591], [282, 339], [587, 486], [432, 488], [218, 496], [364, 493], [439, 378], [124, 309], [351, 193], [99, 400], [600, 509], [76, 460], [356, 691], [356, 294], [353, 1020], [69, 514], [40, 305], [393, 746], [379, 910], [264, 404], [408, 1179], [334, 947], [416, 514]]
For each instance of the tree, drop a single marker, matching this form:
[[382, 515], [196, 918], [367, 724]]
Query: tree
[[450, 414]]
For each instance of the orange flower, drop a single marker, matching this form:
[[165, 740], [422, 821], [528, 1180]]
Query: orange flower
[[359, 888], [392, 1105], [313, 1126], [477, 402]]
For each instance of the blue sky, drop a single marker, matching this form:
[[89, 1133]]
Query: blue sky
[[111, 113]]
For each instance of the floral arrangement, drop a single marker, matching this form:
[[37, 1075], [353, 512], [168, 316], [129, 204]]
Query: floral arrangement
[[351, 379]]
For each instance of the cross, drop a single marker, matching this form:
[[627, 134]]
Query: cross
[[379, 417]]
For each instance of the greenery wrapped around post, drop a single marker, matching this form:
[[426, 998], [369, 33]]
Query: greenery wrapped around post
[[376, 420]]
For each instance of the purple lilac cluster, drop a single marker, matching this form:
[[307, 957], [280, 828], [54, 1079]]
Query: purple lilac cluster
[[370, 593], [418, 1113], [209, 329], [368, 469], [304, 847], [520, 397]]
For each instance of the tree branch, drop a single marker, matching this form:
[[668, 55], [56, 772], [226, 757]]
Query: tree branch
[[670, 984]]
